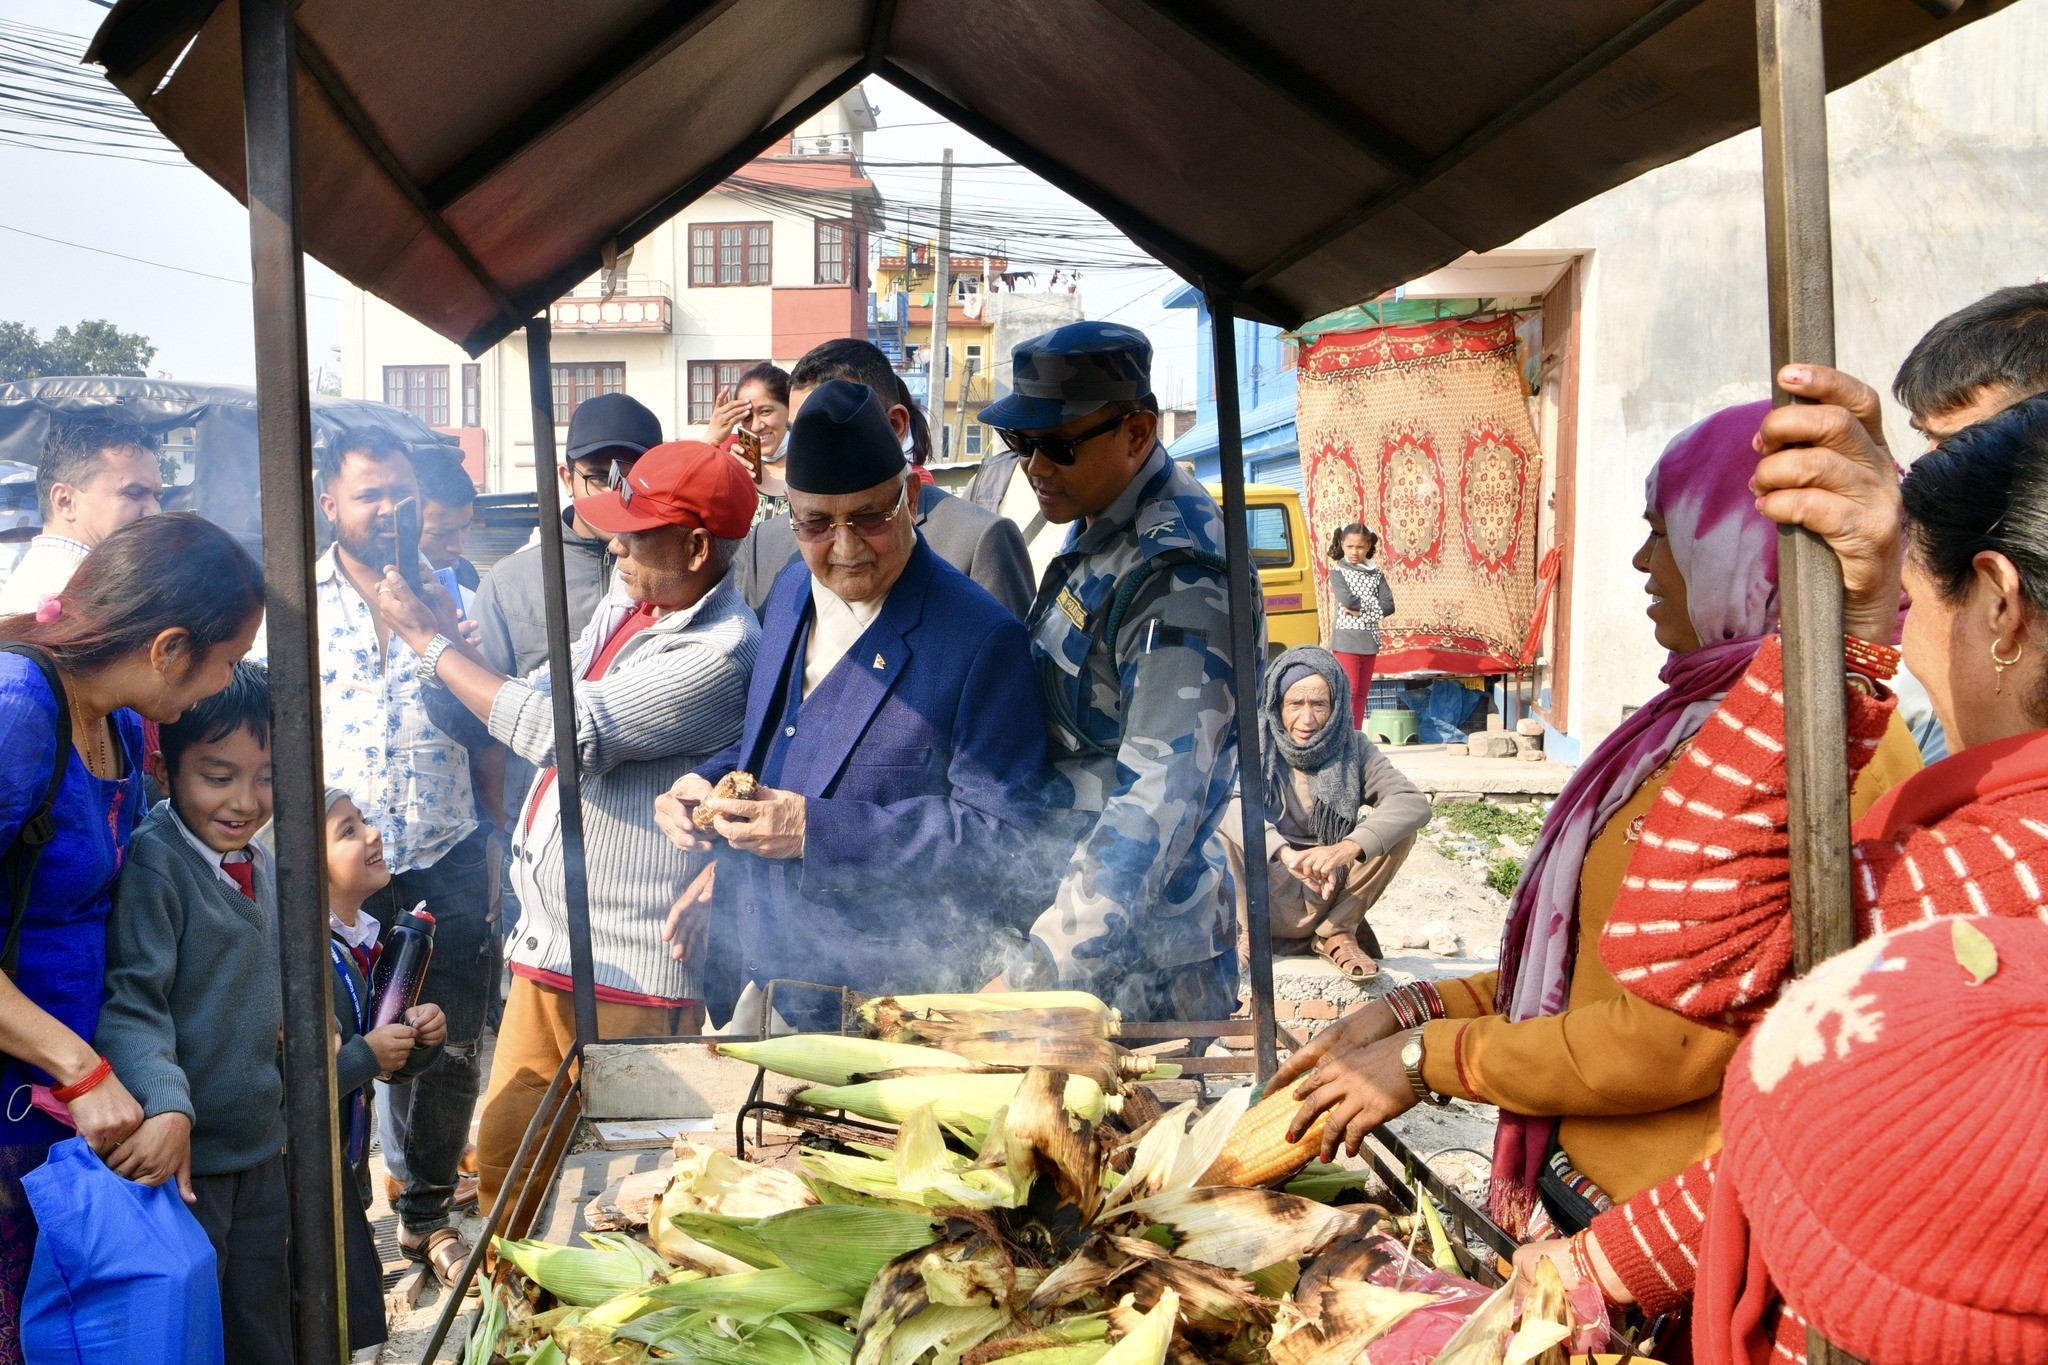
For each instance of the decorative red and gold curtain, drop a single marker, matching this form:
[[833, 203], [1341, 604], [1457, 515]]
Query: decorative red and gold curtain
[[1423, 433]]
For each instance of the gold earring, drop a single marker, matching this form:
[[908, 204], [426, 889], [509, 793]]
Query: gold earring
[[2000, 665]]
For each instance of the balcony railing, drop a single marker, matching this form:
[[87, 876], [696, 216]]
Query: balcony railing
[[640, 303], [822, 144]]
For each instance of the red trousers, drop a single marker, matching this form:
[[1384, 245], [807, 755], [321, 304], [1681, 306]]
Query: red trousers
[[1358, 668]]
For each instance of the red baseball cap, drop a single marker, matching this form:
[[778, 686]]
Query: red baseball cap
[[677, 483]]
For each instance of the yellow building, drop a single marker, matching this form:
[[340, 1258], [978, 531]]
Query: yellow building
[[970, 336]]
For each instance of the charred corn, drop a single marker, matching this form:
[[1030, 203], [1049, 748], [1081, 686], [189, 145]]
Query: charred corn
[[885, 1015], [834, 1059], [969, 1100], [1258, 1152]]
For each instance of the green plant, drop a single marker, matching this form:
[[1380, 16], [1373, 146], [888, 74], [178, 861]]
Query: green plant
[[1502, 874], [1486, 820]]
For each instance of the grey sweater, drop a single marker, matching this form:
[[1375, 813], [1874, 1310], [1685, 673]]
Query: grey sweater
[[675, 696], [1390, 808], [193, 1001], [1362, 599]]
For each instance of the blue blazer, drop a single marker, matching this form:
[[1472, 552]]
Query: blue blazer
[[923, 755]]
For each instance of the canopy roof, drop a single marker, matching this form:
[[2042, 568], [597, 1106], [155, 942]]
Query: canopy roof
[[469, 163]]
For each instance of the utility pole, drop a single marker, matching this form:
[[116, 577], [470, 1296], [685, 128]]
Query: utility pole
[[942, 287], [960, 420]]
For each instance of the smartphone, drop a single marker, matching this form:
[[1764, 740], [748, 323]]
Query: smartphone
[[408, 519]]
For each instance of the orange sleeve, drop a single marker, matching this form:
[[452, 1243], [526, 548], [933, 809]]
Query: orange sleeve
[[1621, 1055], [1468, 997]]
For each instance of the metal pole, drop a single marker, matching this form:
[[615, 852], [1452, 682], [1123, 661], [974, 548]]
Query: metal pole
[[1792, 92], [284, 439], [959, 451], [942, 287], [555, 590], [1245, 661]]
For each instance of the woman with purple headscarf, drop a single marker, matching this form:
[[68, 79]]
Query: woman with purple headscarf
[[1601, 1094]]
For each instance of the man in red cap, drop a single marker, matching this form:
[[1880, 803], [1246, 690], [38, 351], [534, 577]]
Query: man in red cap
[[662, 673]]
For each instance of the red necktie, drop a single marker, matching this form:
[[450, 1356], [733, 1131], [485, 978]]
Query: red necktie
[[244, 875]]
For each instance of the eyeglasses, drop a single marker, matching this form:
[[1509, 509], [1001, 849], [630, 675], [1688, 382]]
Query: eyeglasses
[[613, 477], [819, 529], [1061, 450]]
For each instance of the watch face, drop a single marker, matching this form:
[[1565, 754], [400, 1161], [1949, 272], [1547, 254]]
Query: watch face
[[1411, 1053]]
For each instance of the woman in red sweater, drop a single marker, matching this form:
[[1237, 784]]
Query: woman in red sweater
[[1702, 925]]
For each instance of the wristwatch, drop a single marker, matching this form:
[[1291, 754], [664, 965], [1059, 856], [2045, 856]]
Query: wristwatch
[[430, 658], [1411, 1062]]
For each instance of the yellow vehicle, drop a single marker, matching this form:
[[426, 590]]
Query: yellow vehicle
[[1283, 555]]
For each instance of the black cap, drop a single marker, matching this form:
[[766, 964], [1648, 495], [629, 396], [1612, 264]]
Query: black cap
[[611, 421], [841, 441]]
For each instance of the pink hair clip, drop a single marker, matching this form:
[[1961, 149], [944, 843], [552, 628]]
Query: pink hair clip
[[49, 609]]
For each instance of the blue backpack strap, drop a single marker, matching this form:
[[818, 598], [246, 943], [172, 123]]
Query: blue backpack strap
[[41, 826]]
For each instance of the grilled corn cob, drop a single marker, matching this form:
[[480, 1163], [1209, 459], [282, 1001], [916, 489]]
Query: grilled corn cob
[[834, 1059], [885, 1016], [969, 1100], [1258, 1152]]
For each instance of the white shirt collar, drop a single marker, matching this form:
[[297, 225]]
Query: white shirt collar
[[77, 549], [214, 857], [361, 934]]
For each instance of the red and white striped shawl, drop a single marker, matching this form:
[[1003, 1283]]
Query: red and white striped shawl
[[1702, 925]]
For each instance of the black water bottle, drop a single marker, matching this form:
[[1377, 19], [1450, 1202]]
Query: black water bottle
[[402, 968]]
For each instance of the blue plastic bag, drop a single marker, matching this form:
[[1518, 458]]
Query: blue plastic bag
[[1441, 710], [123, 1274]]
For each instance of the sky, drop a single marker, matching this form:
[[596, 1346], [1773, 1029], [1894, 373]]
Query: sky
[[187, 288]]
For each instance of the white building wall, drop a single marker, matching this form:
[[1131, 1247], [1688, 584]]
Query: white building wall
[[1938, 166]]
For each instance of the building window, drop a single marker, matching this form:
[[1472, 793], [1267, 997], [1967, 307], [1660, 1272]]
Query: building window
[[421, 390], [728, 253], [575, 383], [711, 380], [974, 365], [971, 448], [835, 252], [472, 395]]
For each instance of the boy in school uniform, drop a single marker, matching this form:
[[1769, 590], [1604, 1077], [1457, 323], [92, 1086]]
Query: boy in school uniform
[[193, 1005], [398, 1051]]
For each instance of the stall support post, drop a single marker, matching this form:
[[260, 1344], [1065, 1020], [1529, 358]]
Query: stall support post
[[284, 442], [1244, 659], [555, 597], [1792, 80]]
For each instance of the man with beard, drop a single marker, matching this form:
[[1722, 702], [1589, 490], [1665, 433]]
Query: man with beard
[[411, 780]]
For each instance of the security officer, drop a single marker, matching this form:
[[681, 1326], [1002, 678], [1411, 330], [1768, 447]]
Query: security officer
[[1130, 634]]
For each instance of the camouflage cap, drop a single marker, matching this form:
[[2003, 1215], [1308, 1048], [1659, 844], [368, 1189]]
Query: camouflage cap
[[1071, 371]]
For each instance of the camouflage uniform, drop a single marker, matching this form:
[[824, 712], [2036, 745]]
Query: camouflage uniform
[[1144, 915]]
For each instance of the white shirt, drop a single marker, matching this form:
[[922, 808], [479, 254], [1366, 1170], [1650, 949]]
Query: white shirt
[[362, 934], [44, 571], [409, 778], [214, 857], [835, 624]]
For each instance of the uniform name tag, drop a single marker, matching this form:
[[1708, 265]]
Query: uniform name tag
[[1071, 605]]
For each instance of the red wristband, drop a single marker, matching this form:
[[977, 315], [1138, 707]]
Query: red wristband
[[84, 1084]]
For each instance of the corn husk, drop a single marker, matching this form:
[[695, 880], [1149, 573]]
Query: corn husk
[[1211, 1300], [548, 1353], [482, 1342], [704, 1338], [1442, 1255], [927, 1169], [757, 1295], [1244, 1229], [616, 1313], [1546, 1320], [1146, 1342], [1040, 1137], [966, 1102], [730, 1237], [835, 1059], [889, 1016], [613, 1264], [844, 1248], [1323, 1181], [1483, 1338], [1066, 1039], [706, 1180], [1339, 1309]]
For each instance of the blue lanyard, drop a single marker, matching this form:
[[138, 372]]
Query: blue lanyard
[[348, 980]]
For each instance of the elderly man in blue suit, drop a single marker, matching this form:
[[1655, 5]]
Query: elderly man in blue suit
[[894, 730]]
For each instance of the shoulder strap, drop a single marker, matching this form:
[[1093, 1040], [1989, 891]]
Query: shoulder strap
[[19, 861], [1111, 624]]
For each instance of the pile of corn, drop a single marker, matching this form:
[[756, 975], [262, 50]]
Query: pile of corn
[[1007, 1224]]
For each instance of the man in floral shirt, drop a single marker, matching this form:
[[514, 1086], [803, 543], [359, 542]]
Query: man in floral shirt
[[411, 780]]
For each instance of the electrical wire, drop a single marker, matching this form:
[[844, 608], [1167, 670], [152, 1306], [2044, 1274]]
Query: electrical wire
[[160, 265]]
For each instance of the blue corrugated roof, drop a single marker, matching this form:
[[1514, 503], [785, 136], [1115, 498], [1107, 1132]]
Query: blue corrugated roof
[[1268, 430]]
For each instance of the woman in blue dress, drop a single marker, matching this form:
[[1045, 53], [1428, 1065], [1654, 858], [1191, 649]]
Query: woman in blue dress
[[153, 621]]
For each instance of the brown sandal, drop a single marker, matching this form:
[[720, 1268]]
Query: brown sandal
[[1341, 950], [442, 1250]]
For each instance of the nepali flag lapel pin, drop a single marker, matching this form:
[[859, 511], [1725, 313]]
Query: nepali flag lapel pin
[[880, 662]]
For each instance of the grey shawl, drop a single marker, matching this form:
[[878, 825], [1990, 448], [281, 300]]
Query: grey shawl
[[1334, 760]]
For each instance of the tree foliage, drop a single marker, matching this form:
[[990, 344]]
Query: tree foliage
[[94, 346]]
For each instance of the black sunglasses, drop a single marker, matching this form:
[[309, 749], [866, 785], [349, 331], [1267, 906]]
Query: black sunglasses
[[1061, 450]]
